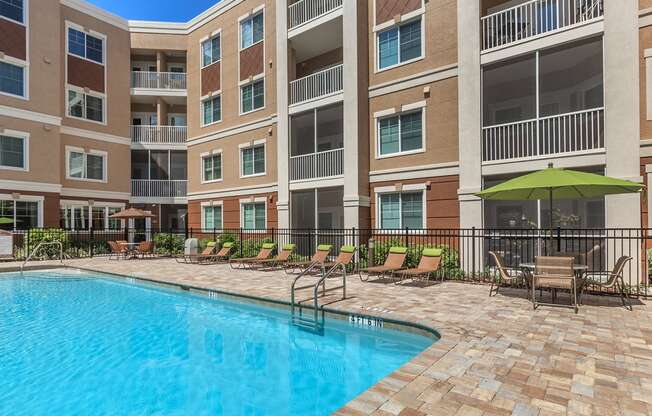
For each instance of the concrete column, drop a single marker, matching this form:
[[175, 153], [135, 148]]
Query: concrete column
[[470, 112], [621, 101], [161, 62], [161, 112], [283, 137], [356, 137]]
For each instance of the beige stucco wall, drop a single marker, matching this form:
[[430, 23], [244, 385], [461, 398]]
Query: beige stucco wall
[[441, 130], [158, 41], [228, 23], [645, 42], [231, 161], [440, 37]]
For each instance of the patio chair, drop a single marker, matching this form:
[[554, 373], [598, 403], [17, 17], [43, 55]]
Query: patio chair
[[281, 258], [614, 280], [589, 258], [118, 252], [505, 275], [319, 258], [145, 249], [555, 273], [428, 265], [265, 253], [220, 256], [393, 263], [208, 252]]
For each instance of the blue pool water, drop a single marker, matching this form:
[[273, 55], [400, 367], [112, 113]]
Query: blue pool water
[[79, 344]]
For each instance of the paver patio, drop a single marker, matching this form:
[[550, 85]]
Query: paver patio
[[496, 357]]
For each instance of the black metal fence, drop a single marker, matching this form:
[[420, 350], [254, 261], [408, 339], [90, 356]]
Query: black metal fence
[[465, 251]]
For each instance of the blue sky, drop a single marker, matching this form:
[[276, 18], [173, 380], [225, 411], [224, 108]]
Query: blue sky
[[159, 10]]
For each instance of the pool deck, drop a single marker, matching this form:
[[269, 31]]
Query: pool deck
[[497, 356]]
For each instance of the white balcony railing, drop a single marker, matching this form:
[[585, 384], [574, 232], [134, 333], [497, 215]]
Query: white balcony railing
[[534, 18], [155, 188], [304, 11], [317, 85], [158, 80], [159, 134], [317, 165], [565, 133]]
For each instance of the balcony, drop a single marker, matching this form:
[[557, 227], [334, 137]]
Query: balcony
[[159, 134], [305, 11], [576, 132], [156, 188], [318, 85], [317, 165], [170, 81], [535, 18]]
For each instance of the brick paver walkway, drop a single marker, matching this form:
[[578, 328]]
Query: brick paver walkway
[[496, 357]]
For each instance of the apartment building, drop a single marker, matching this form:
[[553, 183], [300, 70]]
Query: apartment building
[[321, 113]]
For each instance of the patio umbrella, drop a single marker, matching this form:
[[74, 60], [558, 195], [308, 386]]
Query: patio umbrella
[[555, 183], [130, 213], [5, 220]]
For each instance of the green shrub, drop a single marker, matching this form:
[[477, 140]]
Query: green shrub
[[169, 244], [249, 247], [36, 236]]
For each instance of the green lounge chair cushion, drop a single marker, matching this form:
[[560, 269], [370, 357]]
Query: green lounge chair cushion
[[227, 245], [432, 252], [324, 247], [211, 244], [398, 250], [289, 247], [347, 249], [268, 246]]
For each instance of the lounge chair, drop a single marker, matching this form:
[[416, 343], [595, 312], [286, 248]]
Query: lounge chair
[[555, 273], [614, 280], [208, 252], [342, 260], [393, 263], [264, 253], [428, 265], [144, 249], [281, 258], [118, 251], [505, 275], [319, 258], [222, 255]]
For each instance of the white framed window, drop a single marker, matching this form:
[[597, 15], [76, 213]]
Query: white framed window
[[13, 77], [79, 215], [211, 110], [14, 150], [401, 209], [252, 96], [211, 216], [86, 166], [211, 167], [26, 212], [253, 215], [252, 160], [85, 44], [14, 10], [400, 44], [400, 134], [252, 30], [211, 50], [85, 105]]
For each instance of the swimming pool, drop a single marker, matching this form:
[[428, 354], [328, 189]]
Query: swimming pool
[[73, 342]]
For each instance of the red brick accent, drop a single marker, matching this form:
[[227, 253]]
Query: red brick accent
[[387, 9], [210, 78], [252, 61], [83, 73], [13, 41]]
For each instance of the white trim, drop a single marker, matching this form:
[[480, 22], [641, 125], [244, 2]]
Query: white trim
[[252, 145], [210, 38], [231, 131], [332, 182], [105, 161], [94, 135], [24, 136], [253, 201], [25, 22], [411, 81], [86, 31], [415, 172], [231, 192], [29, 186], [409, 18], [251, 83], [97, 13], [14, 112], [39, 199], [408, 188], [405, 109], [211, 204], [205, 155], [82, 91], [205, 99], [253, 13], [24, 65], [95, 194]]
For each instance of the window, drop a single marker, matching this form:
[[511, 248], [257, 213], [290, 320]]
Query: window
[[85, 106], [12, 79], [399, 44], [212, 217], [85, 46], [212, 110], [253, 96], [400, 134], [253, 216], [252, 30], [318, 130], [83, 217], [13, 152], [401, 210], [253, 160], [13, 10], [212, 167], [210, 51], [24, 214], [88, 166]]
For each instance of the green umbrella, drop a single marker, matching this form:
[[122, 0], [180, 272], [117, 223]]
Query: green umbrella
[[554, 183], [5, 220]]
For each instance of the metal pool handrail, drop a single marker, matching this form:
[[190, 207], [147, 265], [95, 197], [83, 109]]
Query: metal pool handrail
[[38, 247], [315, 287]]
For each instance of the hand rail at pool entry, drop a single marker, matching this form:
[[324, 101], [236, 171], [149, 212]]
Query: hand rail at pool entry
[[38, 247]]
